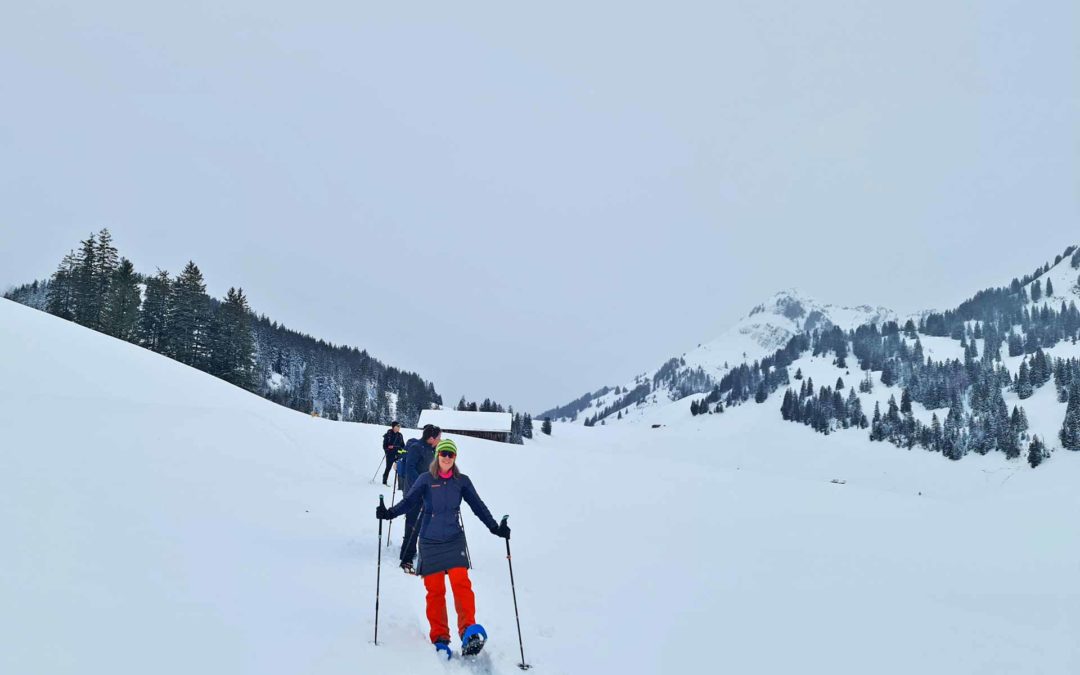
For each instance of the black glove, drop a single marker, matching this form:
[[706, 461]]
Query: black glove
[[501, 530], [382, 513]]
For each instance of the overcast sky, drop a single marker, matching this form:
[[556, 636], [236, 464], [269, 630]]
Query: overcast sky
[[531, 200]]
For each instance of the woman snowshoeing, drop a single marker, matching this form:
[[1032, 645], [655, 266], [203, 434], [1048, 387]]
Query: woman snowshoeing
[[443, 551]]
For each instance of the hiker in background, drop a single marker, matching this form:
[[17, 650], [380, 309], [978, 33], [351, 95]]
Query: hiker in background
[[418, 457], [393, 444]]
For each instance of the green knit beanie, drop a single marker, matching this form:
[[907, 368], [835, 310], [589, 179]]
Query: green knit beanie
[[446, 445]]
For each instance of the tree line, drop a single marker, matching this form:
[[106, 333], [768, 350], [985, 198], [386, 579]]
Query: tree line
[[96, 287]]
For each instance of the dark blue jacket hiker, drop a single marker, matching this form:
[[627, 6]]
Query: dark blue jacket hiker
[[418, 457], [443, 551]]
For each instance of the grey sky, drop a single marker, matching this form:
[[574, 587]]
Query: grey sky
[[526, 201]]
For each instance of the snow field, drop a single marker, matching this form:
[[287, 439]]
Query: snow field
[[159, 520]]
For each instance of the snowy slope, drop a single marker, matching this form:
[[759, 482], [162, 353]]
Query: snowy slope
[[157, 520], [767, 328]]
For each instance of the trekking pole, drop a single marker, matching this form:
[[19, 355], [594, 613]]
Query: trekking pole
[[372, 481], [378, 577], [390, 527], [522, 665]]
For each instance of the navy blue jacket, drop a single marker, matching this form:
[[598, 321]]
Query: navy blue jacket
[[442, 506], [418, 458]]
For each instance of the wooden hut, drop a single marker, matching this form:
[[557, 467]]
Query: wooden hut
[[491, 426]]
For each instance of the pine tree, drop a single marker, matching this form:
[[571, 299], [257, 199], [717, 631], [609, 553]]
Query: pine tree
[[87, 300], [1049, 288], [798, 373], [189, 319], [1023, 382], [106, 263], [153, 320], [761, 394], [121, 311], [527, 426], [785, 405], [905, 402], [232, 347], [936, 434], [545, 428], [1036, 291], [888, 375], [1036, 452], [867, 384], [61, 297], [1070, 428], [854, 409], [876, 430]]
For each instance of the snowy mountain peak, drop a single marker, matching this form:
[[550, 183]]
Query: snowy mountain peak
[[788, 303], [807, 314], [768, 327]]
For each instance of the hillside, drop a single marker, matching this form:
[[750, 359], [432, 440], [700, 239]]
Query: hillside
[[174, 316], [974, 379], [159, 520]]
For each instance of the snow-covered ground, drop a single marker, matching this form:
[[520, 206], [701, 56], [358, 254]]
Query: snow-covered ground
[[157, 520]]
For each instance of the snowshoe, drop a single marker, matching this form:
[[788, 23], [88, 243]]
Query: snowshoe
[[443, 647], [472, 641]]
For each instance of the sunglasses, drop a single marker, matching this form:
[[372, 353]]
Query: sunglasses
[[447, 453]]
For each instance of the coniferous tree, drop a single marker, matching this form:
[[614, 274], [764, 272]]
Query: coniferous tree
[[232, 347], [545, 428], [1018, 420], [527, 426], [1023, 382], [121, 311], [877, 433], [1070, 428], [106, 263], [189, 319], [87, 298], [61, 297], [905, 402], [1016, 345], [1036, 291], [867, 384], [1037, 452], [888, 374], [936, 433], [153, 320], [854, 410], [1049, 288]]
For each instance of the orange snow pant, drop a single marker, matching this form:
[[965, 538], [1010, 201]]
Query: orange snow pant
[[464, 601]]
